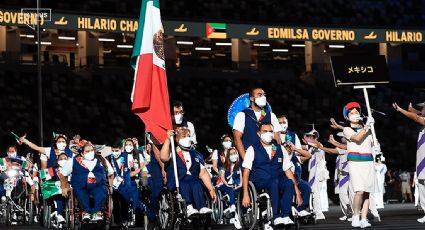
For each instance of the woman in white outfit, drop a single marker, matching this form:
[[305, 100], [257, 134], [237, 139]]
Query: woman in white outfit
[[361, 166], [318, 175]]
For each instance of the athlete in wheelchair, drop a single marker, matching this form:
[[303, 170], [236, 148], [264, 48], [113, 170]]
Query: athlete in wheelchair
[[192, 182], [55, 205], [16, 188], [91, 181], [231, 177], [125, 189], [49, 164], [268, 184]]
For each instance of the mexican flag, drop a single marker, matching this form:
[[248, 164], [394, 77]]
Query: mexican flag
[[50, 188], [47, 174], [150, 91]]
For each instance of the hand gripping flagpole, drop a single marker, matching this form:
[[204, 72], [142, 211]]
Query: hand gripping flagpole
[[173, 156], [369, 110]]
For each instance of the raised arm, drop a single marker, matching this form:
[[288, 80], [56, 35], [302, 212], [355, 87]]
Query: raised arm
[[335, 125], [165, 150], [31, 145], [415, 117], [303, 154], [336, 143], [413, 110]]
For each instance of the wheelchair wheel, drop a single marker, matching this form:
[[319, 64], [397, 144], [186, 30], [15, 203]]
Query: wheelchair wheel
[[167, 215], [108, 212], [248, 216], [8, 214], [217, 207], [69, 213], [28, 211], [47, 211]]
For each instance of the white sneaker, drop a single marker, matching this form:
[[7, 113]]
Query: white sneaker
[[278, 221], [97, 216], [303, 213], [190, 210], [60, 219], [205, 210], [287, 221], [364, 224], [267, 226], [86, 216], [421, 220], [236, 223], [232, 208], [344, 218], [355, 223], [349, 219], [320, 216]]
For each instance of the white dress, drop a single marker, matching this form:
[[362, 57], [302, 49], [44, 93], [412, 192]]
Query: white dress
[[362, 172]]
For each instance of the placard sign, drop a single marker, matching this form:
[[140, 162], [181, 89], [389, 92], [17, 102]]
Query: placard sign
[[360, 70]]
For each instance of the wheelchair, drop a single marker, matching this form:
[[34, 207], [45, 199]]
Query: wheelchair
[[17, 206], [49, 219], [76, 211], [260, 210], [221, 209], [172, 213]]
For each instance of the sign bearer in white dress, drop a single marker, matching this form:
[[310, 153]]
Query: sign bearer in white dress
[[361, 166]]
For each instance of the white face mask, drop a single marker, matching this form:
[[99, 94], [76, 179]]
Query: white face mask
[[89, 156], [128, 148], [116, 154], [233, 158], [284, 127], [227, 144], [178, 118], [12, 155], [355, 118], [185, 142], [61, 163], [261, 101], [267, 137], [61, 146]]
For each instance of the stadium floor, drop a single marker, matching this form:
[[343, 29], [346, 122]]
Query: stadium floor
[[394, 216]]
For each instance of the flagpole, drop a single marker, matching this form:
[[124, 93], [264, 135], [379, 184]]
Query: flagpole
[[39, 78], [176, 176]]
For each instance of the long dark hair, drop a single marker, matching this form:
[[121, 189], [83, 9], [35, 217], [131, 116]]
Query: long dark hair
[[228, 164]]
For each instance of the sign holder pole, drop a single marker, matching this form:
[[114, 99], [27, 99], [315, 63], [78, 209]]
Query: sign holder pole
[[369, 110]]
